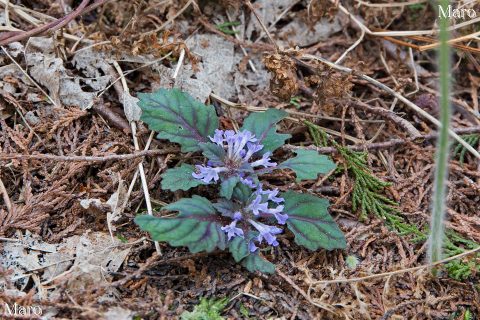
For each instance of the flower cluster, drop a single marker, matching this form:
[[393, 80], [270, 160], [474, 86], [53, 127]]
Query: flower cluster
[[238, 149], [260, 206], [237, 156]]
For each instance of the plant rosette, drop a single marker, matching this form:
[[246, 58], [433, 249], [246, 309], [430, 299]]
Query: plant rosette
[[245, 218]]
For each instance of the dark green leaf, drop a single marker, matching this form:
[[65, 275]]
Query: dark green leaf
[[239, 248], [178, 117], [263, 125], [226, 207], [197, 226], [212, 151], [227, 186], [253, 262], [310, 222], [180, 178], [242, 192], [308, 164]]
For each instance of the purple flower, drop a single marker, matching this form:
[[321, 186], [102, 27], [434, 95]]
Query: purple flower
[[239, 148], [252, 247], [281, 218], [252, 149], [259, 207], [232, 230], [266, 232], [256, 205], [248, 182], [217, 137], [264, 161], [237, 215], [272, 195], [207, 174]]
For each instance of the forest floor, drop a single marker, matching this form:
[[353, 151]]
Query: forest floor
[[68, 243]]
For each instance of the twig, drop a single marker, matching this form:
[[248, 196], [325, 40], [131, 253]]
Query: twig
[[51, 26], [407, 102], [381, 145], [391, 273], [111, 157], [280, 17], [147, 153], [135, 175], [141, 170], [143, 178], [292, 112], [28, 76], [179, 12], [304, 294], [245, 54], [179, 64], [411, 130], [304, 115], [265, 29], [255, 46], [6, 198], [401, 33], [353, 46], [389, 5]]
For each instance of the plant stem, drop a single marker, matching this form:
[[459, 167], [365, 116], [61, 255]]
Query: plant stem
[[441, 168]]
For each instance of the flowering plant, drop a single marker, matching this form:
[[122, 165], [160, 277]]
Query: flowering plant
[[246, 217]]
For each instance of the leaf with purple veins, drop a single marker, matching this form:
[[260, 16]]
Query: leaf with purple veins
[[310, 222], [197, 226], [178, 117]]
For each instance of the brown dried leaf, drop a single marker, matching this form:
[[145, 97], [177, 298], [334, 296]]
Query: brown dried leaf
[[329, 85], [284, 79]]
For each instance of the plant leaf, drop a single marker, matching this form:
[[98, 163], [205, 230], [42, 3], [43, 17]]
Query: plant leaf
[[308, 164], [178, 117], [212, 151], [197, 226], [239, 248], [180, 178], [263, 125], [253, 262], [226, 207], [310, 222], [227, 186], [242, 193]]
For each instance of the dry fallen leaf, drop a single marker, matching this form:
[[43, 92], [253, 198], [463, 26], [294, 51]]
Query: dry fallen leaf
[[284, 79], [214, 71], [88, 259], [49, 71]]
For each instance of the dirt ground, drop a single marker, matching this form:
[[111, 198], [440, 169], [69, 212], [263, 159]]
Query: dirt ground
[[68, 243]]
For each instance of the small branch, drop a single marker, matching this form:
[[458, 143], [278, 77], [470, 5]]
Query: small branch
[[149, 153], [265, 29], [381, 145], [396, 272], [52, 26], [392, 116], [6, 198], [133, 126], [304, 294], [111, 157], [389, 90]]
